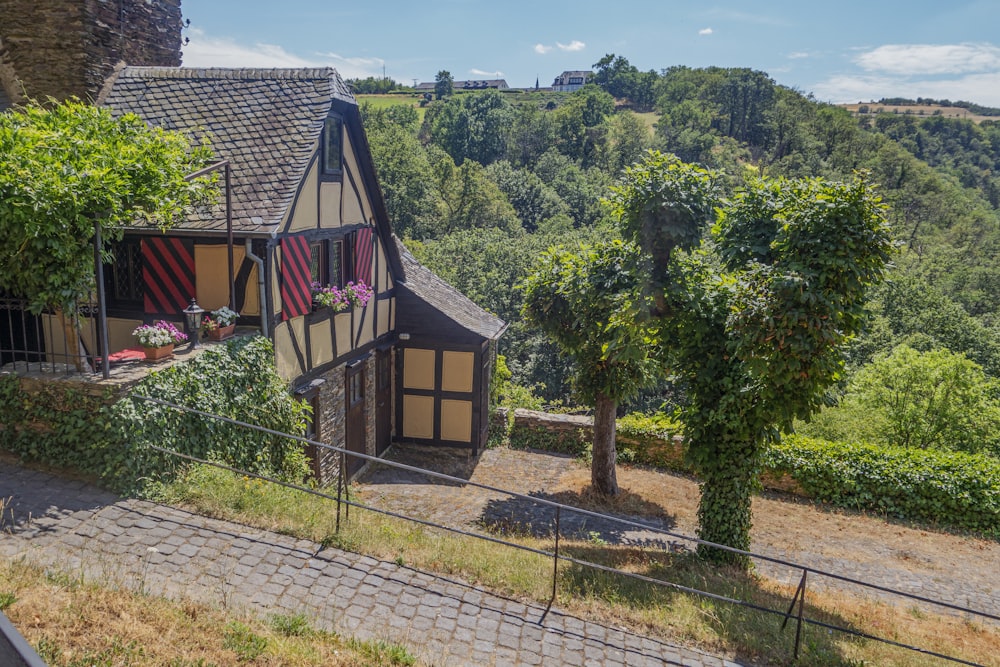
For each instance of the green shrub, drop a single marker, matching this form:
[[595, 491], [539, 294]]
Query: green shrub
[[62, 425], [952, 489]]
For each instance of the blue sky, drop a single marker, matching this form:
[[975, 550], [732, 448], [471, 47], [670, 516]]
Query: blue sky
[[841, 52]]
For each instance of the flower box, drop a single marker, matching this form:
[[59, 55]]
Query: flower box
[[221, 333], [159, 353]]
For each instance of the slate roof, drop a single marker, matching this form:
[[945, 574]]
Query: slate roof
[[441, 296], [265, 121]]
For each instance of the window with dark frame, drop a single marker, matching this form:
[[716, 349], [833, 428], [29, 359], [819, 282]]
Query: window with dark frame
[[327, 262], [318, 262], [333, 145], [123, 277], [355, 388]]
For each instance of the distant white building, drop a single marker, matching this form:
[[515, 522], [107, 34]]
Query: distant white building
[[498, 84], [569, 81]]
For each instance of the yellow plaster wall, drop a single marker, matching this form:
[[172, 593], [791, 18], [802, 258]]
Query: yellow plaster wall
[[275, 287], [364, 325], [385, 278], [211, 264], [418, 368], [456, 420], [284, 351], [353, 213], [418, 416], [306, 213], [383, 317], [329, 204], [119, 335], [342, 324], [456, 371], [321, 343]]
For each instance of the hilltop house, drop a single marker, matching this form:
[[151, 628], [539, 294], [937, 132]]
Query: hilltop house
[[481, 84], [569, 81]]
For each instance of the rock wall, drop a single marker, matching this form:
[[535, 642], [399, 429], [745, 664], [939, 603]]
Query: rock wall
[[64, 48]]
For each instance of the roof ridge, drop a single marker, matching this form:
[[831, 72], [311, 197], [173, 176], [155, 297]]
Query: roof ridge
[[249, 73]]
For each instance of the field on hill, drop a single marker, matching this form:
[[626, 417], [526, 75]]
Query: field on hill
[[916, 110]]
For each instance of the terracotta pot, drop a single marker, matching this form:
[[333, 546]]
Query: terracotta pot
[[222, 333], [159, 353]]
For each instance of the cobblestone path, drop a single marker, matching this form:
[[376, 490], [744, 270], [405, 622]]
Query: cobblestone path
[[165, 551]]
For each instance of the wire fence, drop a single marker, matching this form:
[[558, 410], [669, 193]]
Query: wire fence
[[796, 610]]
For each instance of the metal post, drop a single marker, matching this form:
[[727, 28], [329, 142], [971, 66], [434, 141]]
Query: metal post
[[102, 312], [800, 596], [802, 601], [555, 569], [229, 237], [340, 486]]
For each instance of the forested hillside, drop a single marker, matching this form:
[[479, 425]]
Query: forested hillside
[[488, 180]]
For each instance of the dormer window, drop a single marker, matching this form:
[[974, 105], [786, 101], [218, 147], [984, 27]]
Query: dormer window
[[333, 145]]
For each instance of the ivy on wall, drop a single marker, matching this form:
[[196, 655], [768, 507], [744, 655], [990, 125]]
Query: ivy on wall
[[109, 436]]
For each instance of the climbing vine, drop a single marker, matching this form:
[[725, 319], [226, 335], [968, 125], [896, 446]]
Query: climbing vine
[[110, 436]]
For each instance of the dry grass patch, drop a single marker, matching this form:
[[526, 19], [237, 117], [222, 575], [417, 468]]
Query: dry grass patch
[[73, 623]]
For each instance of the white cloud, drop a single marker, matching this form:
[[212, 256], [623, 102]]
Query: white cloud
[[207, 51], [931, 59], [705, 31], [981, 88], [575, 45], [478, 72], [798, 55], [542, 49]]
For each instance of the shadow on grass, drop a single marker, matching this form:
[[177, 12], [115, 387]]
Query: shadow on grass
[[756, 635], [521, 516]]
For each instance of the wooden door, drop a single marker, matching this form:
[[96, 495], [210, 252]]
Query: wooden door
[[383, 402], [355, 423]]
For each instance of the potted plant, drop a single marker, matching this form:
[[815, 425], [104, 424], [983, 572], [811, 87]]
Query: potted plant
[[158, 339], [220, 324]]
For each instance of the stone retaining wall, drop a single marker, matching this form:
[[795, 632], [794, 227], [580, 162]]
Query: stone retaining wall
[[572, 434]]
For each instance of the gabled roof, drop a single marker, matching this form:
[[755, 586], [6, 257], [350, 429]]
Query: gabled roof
[[423, 284], [265, 121]]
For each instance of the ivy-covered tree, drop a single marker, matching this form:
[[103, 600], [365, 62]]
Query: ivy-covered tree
[[67, 166], [590, 303], [752, 319]]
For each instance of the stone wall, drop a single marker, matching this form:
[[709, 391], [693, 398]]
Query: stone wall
[[332, 420], [571, 434], [63, 48]]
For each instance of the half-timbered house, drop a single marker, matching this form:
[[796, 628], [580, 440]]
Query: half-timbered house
[[304, 208]]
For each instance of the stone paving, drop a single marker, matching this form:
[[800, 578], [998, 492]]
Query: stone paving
[[162, 550]]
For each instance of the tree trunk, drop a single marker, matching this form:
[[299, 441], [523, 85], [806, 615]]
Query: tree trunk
[[724, 511], [602, 467]]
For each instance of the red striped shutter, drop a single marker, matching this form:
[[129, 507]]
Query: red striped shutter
[[296, 277], [364, 250], [167, 274]]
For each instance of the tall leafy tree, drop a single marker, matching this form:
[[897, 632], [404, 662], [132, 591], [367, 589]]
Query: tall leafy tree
[[443, 84], [590, 303], [755, 330]]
